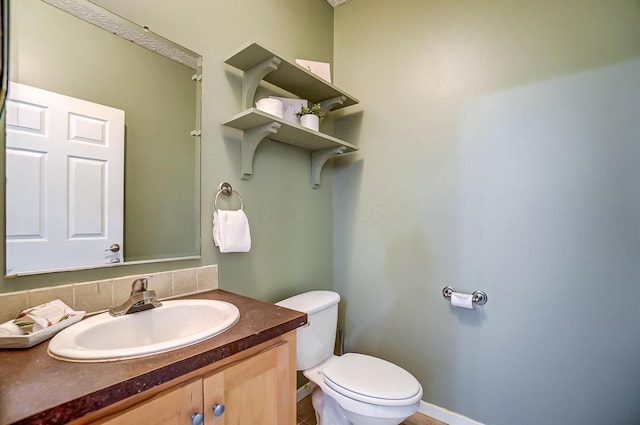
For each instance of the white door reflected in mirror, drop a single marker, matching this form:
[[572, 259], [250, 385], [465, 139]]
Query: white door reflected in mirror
[[65, 181]]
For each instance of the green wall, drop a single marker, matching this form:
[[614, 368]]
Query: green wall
[[500, 146], [499, 152], [290, 222]]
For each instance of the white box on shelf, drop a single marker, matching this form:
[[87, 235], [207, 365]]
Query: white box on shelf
[[290, 107], [271, 106], [321, 69]]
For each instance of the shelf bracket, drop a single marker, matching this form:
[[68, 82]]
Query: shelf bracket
[[318, 159], [329, 104], [252, 77], [250, 140]]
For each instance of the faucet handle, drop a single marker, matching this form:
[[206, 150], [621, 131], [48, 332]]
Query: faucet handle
[[139, 285]]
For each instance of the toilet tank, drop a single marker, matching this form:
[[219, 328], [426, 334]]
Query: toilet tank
[[315, 341]]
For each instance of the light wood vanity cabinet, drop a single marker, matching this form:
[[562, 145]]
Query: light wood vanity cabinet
[[256, 389]]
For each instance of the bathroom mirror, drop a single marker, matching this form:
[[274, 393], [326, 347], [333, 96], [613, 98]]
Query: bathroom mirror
[[71, 58]]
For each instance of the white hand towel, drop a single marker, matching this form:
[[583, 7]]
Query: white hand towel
[[216, 229], [10, 329], [231, 231], [462, 300]]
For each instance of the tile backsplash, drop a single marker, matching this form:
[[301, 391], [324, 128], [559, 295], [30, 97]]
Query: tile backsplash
[[99, 295]]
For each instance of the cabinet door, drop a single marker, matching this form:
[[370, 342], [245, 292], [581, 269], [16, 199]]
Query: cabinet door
[[172, 407], [256, 391]]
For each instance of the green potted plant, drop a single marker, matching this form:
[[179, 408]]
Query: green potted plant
[[310, 116]]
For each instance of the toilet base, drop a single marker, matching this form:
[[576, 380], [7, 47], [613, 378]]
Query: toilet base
[[329, 412]]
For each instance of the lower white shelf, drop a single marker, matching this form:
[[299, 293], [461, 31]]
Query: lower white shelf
[[257, 125]]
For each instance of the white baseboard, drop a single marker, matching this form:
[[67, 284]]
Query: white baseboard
[[305, 391], [445, 415], [429, 409]]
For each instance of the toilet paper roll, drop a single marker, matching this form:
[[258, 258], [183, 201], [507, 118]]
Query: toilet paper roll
[[10, 329], [462, 300], [271, 106]]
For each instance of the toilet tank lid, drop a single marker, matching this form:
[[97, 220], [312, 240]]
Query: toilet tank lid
[[311, 302]]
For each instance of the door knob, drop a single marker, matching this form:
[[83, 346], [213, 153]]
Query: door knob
[[113, 248], [218, 409], [197, 419]]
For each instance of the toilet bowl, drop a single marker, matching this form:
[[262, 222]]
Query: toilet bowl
[[354, 388], [367, 389]]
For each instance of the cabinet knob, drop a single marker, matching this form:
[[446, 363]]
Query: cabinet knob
[[218, 409], [197, 419]]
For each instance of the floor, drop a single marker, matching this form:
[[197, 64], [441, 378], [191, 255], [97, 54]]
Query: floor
[[306, 416]]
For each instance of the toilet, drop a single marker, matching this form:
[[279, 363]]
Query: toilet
[[353, 388]]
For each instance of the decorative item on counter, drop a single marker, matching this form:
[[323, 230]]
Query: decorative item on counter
[[36, 324], [310, 116], [290, 106], [37, 318], [271, 106], [321, 69]]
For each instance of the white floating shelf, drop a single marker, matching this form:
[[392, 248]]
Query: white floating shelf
[[257, 125], [260, 63], [289, 133]]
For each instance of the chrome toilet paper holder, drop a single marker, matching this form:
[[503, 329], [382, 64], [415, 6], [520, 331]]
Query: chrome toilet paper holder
[[478, 297]]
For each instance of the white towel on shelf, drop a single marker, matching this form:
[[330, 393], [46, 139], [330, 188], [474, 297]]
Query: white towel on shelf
[[231, 231]]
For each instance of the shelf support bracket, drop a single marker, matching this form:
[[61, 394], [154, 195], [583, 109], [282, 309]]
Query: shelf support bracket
[[250, 140], [252, 77], [329, 104], [318, 159]]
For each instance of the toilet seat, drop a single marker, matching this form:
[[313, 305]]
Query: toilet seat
[[371, 380]]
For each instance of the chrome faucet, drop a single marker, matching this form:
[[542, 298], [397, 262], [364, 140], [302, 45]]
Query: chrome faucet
[[140, 299]]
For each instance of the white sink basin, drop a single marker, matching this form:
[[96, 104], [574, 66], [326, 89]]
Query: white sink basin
[[174, 325]]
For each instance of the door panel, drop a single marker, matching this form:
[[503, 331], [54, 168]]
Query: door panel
[[254, 391], [28, 204], [87, 198], [173, 407]]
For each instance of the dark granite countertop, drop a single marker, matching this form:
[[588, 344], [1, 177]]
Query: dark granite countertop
[[38, 389]]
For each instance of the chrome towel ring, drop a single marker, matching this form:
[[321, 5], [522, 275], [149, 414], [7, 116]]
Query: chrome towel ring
[[225, 190]]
